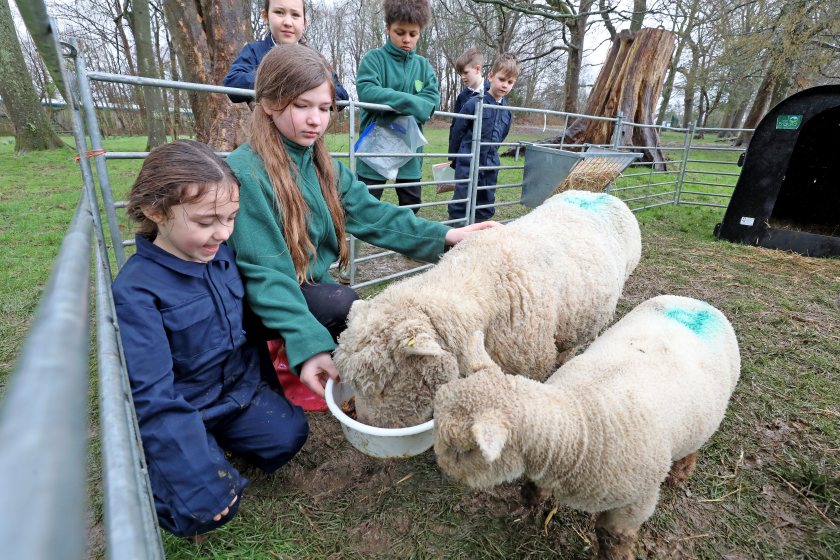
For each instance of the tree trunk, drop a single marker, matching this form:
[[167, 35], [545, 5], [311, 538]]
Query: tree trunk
[[135, 92], [638, 17], [208, 35], [684, 31], [577, 35], [690, 85], [761, 103], [630, 82], [140, 23], [32, 128]]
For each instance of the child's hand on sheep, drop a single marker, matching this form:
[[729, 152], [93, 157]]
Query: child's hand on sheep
[[315, 370], [456, 235]]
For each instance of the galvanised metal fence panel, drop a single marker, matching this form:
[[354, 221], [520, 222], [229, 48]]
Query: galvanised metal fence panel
[[359, 253], [44, 415], [43, 418], [711, 168]]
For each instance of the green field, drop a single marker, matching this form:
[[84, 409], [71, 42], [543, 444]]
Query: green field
[[766, 486]]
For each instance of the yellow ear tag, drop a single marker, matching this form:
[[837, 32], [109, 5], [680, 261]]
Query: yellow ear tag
[[411, 342]]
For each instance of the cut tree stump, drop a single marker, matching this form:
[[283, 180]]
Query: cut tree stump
[[630, 82]]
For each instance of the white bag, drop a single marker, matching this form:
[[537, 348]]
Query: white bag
[[400, 136]]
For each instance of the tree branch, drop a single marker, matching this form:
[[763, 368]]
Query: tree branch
[[562, 12]]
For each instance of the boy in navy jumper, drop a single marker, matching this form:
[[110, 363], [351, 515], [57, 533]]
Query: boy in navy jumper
[[286, 20], [495, 125], [468, 67]]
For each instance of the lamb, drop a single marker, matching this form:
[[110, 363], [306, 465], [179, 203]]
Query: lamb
[[601, 433], [536, 288]]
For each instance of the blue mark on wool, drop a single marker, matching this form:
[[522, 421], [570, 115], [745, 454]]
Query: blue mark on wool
[[592, 202], [702, 322]]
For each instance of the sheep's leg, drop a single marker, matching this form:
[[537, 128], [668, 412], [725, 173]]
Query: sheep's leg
[[681, 470], [618, 529]]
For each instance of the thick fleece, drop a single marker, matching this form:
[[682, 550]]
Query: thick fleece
[[536, 288], [602, 432]]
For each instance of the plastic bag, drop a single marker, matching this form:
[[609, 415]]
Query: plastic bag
[[399, 136], [443, 172]]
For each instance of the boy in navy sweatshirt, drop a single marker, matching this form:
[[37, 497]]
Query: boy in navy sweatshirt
[[495, 125]]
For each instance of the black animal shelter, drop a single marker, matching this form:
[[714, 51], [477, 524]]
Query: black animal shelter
[[788, 194]]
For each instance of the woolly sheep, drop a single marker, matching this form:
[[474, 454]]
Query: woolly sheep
[[602, 432], [536, 288]]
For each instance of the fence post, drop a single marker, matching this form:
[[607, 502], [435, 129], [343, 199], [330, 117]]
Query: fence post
[[619, 120], [81, 146], [101, 163], [351, 134], [475, 161], [689, 135]]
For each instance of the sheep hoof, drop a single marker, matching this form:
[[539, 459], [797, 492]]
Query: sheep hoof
[[681, 470], [533, 495], [615, 546]]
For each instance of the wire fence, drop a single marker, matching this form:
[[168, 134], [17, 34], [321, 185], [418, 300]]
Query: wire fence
[[43, 422]]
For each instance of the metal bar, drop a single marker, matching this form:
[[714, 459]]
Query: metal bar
[[647, 196], [37, 20], [43, 419], [669, 203], [475, 161], [627, 176], [645, 186], [724, 173], [102, 176], [498, 204], [718, 195], [500, 167], [81, 147], [686, 154], [710, 161], [392, 276], [716, 149], [131, 528], [709, 184], [706, 204], [548, 112]]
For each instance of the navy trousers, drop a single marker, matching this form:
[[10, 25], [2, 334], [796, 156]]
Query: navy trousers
[[267, 433]]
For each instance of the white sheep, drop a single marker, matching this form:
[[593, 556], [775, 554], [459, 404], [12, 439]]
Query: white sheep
[[537, 288], [601, 433]]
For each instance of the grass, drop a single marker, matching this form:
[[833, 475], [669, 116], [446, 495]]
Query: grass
[[767, 485]]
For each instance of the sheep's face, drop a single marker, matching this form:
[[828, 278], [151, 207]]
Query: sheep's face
[[395, 361], [474, 427]]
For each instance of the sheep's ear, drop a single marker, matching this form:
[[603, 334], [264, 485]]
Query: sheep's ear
[[477, 357], [491, 436], [423, 345]]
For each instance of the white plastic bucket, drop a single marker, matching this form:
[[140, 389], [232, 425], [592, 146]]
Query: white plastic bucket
[[383, 443]]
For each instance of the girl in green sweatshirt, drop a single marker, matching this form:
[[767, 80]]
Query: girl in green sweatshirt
[[296, 207]]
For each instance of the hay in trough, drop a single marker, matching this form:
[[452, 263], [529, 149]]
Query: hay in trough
[[592, 174]]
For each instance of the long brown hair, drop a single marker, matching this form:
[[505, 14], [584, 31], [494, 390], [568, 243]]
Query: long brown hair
[[180, 172], [286, 72]]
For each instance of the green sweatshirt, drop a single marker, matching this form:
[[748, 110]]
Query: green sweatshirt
[[263, 256], [403, 80]]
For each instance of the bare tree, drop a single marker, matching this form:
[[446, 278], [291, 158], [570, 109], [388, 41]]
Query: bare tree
[[140, 22], [32, 128], [208, 35]]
